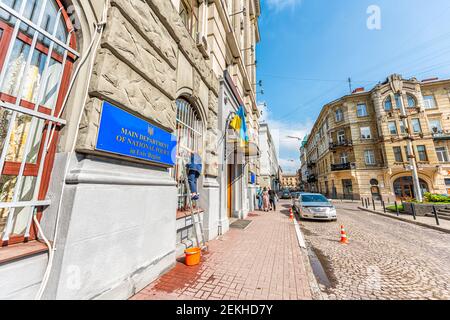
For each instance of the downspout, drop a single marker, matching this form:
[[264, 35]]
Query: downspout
[[225, 157]]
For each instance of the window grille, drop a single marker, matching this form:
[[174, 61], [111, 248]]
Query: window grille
[[37, 52], [190, 140]]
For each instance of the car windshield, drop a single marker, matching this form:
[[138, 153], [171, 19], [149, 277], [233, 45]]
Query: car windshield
[[314, 198]]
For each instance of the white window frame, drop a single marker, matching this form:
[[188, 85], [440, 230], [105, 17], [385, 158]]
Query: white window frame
[[361, 110], [426, 102], [366, 137], [344, 157], [339, 115], [440, 130], [341, 136], [442, 155], [414, 122], [369, 157], [395, 126]]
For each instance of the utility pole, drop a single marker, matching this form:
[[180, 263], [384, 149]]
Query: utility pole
[[411, 155]]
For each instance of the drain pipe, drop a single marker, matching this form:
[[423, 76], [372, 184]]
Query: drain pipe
[[99, 28], [225, 158]]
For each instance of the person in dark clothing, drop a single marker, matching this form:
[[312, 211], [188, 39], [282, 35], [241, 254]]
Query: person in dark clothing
[[194, 170], [273, 199]]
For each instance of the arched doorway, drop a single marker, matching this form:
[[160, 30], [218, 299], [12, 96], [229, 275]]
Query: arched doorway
[[404, 187]]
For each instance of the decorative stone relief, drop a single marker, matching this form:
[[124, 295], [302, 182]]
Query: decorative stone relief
[[127, 44], [149, 26], [116, 81]]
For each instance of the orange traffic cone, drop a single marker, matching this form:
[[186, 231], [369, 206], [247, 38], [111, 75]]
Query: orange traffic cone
[[291, 214], [344, 239]]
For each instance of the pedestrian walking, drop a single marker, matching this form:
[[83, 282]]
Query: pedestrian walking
[[259, 198], [273, 199], [266, 200]]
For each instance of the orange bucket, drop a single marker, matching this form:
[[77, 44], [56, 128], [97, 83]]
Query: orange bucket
[[192, 256]]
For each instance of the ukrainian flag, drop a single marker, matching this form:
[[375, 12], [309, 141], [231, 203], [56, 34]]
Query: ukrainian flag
[[240, 125]]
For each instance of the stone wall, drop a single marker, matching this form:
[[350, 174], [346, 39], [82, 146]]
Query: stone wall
[[147, 59]]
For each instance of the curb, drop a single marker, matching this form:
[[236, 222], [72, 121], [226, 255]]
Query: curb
[[437, 228], [316, 292]]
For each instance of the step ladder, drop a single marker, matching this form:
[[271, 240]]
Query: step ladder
[[197, 224]]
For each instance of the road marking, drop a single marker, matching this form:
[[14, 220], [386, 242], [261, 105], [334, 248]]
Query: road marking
[[300, 238]]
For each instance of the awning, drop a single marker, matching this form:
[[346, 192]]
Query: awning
[[251, 150]]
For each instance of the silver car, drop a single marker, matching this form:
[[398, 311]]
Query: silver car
[[315, 206]]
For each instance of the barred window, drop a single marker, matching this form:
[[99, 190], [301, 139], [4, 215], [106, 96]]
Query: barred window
[[37, 51], [190, 140]]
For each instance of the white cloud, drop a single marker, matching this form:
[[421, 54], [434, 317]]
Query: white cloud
[[288, 166], [288, 149], [279, 5]]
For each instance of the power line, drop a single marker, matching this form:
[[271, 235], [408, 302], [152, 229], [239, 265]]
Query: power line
[[312, 79]]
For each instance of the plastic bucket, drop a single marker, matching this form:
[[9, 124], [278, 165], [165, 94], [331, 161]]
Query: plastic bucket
[[192, 256]]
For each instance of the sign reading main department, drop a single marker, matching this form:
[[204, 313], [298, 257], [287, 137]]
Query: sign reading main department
[[124, 134]]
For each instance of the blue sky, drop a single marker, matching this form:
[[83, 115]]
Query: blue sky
[[310, 47]]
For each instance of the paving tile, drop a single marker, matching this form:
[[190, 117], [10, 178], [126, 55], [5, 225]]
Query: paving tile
[[260, 262]]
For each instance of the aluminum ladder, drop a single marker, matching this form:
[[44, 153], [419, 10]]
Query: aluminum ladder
[[196, 223]]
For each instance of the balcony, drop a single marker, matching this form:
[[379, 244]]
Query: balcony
[[341, 144], [342, 166], [312, 178], [311, 164], [441, 135]]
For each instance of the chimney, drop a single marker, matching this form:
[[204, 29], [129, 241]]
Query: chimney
[[358, 90]]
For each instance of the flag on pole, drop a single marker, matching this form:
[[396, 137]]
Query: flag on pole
[[240, 125]]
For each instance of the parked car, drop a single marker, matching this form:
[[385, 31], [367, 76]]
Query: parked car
[[315, 206], [286, 195]]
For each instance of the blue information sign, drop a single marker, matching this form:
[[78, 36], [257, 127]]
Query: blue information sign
[[124, 134]]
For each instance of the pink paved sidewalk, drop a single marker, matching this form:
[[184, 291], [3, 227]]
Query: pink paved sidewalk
[[259, 263]]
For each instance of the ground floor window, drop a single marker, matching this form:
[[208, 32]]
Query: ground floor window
[[190, 141], [404, 187], [36, 57], [347, 187]]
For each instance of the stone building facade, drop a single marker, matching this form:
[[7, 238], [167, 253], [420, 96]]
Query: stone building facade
[[357, 147], [118, 221], [290, 181], [270, 167]]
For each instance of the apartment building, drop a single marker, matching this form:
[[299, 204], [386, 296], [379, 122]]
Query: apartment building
[[269, 173], [290, 181], [358, 146], [101, 105]]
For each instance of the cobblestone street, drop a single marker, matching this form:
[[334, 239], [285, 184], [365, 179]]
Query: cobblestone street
[[262, 262], [386, 259]]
